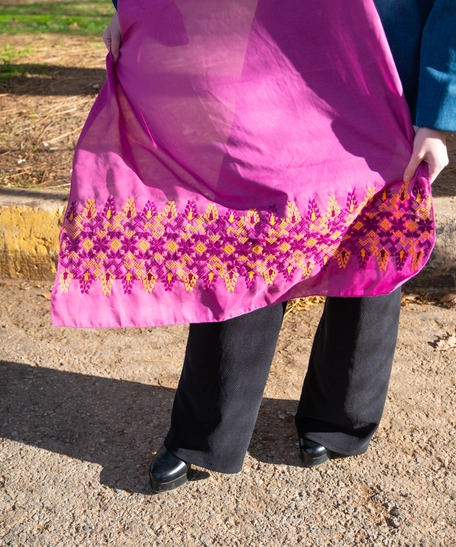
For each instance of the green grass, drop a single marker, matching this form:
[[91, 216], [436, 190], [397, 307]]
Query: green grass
[[62, 17], [9, 54]]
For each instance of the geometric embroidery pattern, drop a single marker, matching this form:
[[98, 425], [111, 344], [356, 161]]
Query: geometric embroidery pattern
[[192, 247]]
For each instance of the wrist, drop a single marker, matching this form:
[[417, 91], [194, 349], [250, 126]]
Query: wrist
[[429, 133], [433, 132]]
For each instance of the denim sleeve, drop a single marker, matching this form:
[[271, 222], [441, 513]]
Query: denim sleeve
[[436, 104]]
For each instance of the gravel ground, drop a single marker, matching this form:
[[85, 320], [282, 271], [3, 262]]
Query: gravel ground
[[82, 413]]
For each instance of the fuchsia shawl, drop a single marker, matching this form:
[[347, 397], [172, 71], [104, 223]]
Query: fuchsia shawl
[[241, 153]]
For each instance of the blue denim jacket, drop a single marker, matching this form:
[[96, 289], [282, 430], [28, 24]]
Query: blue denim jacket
[[422, 37]]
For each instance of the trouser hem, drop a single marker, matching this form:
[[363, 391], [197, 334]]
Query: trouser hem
[[201, 460], [339, 443]]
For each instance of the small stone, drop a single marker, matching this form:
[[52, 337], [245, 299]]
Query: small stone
[[394, 523], [395, 512]]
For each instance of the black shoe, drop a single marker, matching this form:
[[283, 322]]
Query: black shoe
[[167, 471], [312, 453]]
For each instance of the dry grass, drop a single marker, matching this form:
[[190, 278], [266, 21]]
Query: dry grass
[[303, 304], [46, 93]]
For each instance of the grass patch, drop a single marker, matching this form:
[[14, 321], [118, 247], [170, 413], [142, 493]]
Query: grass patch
[[61, 17], [10, 54]]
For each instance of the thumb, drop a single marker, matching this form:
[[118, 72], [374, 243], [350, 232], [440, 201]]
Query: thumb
[[411, 168]]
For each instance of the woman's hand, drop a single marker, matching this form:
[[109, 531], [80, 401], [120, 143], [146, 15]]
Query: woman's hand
[[112, 36], [429, 146]]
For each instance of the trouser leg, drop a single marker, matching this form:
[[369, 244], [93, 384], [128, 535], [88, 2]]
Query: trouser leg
[[221, 386], [347, 380]]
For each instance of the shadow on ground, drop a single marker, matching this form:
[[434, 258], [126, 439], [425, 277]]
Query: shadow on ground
[[117, 424], [43, 79]]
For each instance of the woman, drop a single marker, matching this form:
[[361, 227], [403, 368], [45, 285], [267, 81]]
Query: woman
[[227, 362]]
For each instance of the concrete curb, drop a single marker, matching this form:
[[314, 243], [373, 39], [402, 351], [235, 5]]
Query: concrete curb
[[30, 224]]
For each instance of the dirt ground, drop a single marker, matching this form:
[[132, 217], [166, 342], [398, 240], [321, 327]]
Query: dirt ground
[[48, 84], [83, 411]]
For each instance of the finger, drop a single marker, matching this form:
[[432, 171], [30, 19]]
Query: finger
[[433, 173], [107, 39], [115, 49], [411, 168]]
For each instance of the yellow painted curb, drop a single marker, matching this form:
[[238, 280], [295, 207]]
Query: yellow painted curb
[[29, 233]]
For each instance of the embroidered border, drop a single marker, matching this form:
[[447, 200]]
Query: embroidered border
[[192, 247]]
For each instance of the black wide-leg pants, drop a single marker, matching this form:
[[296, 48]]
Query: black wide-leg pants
[[227, 364]]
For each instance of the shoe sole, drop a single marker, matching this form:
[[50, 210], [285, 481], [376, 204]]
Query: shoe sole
[[159, 487]]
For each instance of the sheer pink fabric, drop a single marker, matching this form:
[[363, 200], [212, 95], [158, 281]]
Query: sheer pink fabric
[[241, 153]]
